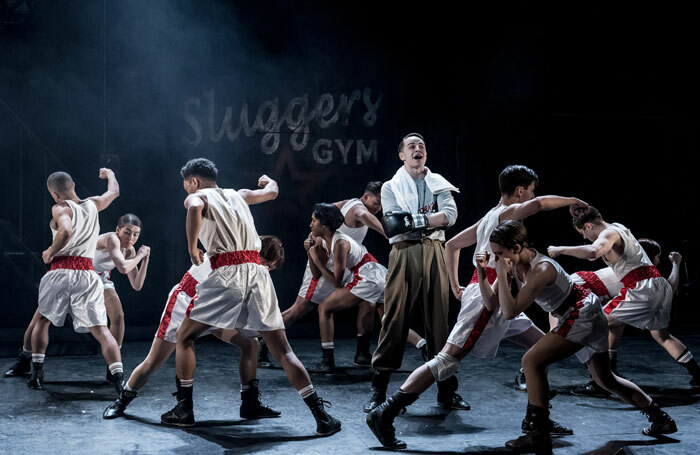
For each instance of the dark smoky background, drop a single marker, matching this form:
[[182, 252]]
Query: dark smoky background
[[318, 95]]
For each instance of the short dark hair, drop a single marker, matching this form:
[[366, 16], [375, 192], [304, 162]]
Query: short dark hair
[[583, 215], [60, 182], [651, 247], [329, 215], [510, 233], [407, 136], [129, 218], [514, 176], [374, 188], [272, 250], [199, 167]]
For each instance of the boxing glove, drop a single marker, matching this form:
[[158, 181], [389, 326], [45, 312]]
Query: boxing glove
[[395, 223]]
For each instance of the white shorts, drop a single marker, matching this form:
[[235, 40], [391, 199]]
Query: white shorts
[[584, 323], [368, 280], [646, 306], [78, 292], [106, 282], [179, 300], [238, 297], [480, 331], [316, 290]]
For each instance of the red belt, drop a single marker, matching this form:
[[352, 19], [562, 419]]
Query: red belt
[[593, 283], [72, 263], [235, 258], [641, 273], [490, 275], [188, 284]]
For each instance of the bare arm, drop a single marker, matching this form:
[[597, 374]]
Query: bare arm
[[489, 297], [267, 192], [602, 246], [537, 279], [103, 201], [675, 277], [195, 206], [363, 216], [62, 218], [114, 251], [314, 254], [539, 204], [452, 248], [137, 275]]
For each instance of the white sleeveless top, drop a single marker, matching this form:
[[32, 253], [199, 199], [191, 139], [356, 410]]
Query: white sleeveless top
[[201, 272], [228, 224], [357, 234], [633, 255], [357, 250], [483, 232], [554, 294], [86, 229], [102, 262]]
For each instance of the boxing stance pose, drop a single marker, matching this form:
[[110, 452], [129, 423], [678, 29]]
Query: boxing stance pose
[[72, 286], [365, 284], [238, 294], [113, 249], [480, 327], [645, 298], [180, 301], [581, 330]]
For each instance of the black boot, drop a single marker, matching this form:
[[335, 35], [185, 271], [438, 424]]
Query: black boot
[[252, 407], [380, 382], [363, 358], [327, 364], [591, 389], [381, 419], [36, 379], [326, 424], [555, 429], [116, 409], [182, 415], [263, 356], [448, 397], [690, 365], [117, 380], [661, 423], [537, 438], [22, 366]]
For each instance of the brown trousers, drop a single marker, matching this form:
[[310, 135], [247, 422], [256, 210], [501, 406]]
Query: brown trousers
[[416, 282]]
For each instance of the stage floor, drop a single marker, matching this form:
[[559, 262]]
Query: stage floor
[[66, 417]]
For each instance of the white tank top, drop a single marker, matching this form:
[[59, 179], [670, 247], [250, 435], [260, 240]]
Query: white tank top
[[357, 234], [483, 232], [632, 257], [554, 294], [357, 250], [86, 229], [228, 224], [102, 262], [201, 272]]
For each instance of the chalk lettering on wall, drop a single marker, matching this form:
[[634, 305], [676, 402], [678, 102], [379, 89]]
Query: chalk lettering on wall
[[293, 124]]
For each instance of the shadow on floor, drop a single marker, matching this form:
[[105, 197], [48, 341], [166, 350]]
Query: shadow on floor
[[616, 446]]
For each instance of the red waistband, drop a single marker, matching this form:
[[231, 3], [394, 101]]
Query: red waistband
[[72, 263], [490, 275], [641, 273], [188, 284], [593, 283], [235, 258], [577, 294], [365, 259]]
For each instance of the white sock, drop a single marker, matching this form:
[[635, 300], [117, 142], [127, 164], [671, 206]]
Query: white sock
[[128, 388], [116, 367], [329, 345], [38, 358], [686, 357], [421, 343], [187, 382], [306, 391]]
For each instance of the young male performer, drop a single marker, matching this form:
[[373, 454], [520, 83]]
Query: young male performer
[[238, 294]]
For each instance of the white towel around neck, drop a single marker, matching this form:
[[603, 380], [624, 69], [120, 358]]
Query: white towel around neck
[[406, 193]]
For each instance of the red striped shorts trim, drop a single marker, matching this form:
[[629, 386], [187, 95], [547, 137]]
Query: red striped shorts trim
[[356, 270]]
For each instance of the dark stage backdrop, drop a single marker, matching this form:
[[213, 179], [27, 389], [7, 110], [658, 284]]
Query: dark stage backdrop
[[318, 97]]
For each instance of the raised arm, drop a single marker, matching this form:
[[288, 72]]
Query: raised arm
[[541, 275], [539, 204], [195, 206], [602, 246], [137, 275], [103, 201], [64, 226], [267, 192], [675, 276], [452, 248], [114, 251], [489, 297]]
